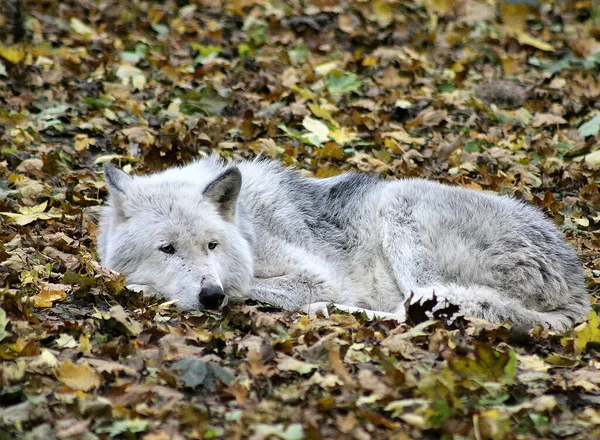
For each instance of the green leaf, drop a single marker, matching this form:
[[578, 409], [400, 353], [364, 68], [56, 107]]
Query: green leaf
[[592, 61], [488, 364], [98, 103], [208, 99], [299, 54], [71, 277], [447, 88], [130, 57], [134, 56], [205, 52], [442, 411], [195, 372], [339, 83], [160, 29], [471, 146], [256, 29], [591, 127]]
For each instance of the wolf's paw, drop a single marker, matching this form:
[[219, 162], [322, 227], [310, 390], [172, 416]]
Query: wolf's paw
[[146, 290], [314, 308], [137, 287]]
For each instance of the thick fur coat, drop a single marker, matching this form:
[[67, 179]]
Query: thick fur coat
[[207, 233]]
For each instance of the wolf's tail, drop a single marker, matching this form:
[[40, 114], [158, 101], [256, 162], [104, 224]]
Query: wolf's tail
[[492, 305]]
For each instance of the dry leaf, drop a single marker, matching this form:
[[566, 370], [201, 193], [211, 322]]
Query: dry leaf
[[77, 376]]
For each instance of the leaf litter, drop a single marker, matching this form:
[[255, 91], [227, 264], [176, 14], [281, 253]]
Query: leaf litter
[[493, 96]]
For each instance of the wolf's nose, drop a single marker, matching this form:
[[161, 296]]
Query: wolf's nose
[[211, 297]]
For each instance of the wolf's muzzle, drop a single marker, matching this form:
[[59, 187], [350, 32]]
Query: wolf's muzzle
[[211, 297]]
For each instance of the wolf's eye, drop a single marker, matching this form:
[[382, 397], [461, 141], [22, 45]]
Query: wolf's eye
[[212, 245], [167, 249]]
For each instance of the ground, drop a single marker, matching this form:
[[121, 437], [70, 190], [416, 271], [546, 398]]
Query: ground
[[499, 96]]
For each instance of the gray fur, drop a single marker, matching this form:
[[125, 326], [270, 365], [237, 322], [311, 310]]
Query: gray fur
[[350, 239]]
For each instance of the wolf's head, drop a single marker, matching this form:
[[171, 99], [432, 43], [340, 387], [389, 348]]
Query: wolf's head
[[180, 238]]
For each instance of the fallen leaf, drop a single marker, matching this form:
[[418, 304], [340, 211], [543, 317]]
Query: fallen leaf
[[15, 54], [287, 363], [77, 376], [51, 293], [3, 323], [528, 40], [194, 372]]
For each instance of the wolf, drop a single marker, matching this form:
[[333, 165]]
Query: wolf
[[213, 232]]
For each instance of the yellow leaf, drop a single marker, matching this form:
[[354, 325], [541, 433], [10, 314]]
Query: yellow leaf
[[303, 324], [322, 112], [403, 137], [49, 294], [131, 75], [494, 424], [30, 210], [79, 27], [27, 215], [587, 332], [138, 82], [14, 54], [441, 7], [327, 171], [82, 142], [511, 63], [514, 17], [369, 62], [593, 158], [416, 420], [342, 136], [532, 362], [528, 40], [558, 360], [77, 377], [325, 68], [65, 341], [291, 364], [316, 128], [45, 359], [383, 13]]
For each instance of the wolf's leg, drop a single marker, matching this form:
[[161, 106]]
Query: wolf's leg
[[490, 304], [290, 292], [323, 307]]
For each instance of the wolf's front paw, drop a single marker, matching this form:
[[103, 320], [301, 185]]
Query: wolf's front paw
[[146, 290], [314, 308]]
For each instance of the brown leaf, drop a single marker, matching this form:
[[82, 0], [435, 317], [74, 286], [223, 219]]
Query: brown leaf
[[78, 376]]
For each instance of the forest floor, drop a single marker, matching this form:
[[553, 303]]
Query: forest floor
[[499, 96]]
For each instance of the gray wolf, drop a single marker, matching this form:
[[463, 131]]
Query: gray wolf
[[209, 233]]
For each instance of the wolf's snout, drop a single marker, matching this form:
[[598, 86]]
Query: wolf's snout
[[211, 297]]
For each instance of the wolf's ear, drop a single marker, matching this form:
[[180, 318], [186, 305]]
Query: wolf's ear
[[116, 179], [224, 191]]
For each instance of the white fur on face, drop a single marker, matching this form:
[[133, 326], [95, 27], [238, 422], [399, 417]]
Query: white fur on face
[[147, 215]]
